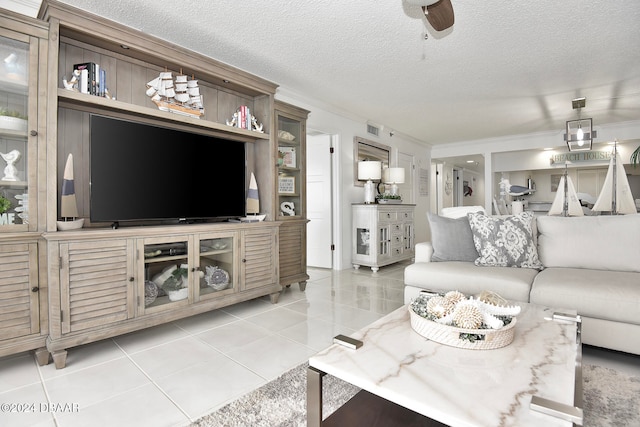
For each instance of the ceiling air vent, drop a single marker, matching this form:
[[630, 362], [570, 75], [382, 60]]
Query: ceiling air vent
[[373, 130]]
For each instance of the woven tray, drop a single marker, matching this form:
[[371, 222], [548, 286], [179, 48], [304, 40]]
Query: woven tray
[[450, 335]]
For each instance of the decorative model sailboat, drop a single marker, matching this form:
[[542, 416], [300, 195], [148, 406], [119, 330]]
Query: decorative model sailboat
[[68, 204], [615, 196], [253, 203], [184, 98], [566, 202]]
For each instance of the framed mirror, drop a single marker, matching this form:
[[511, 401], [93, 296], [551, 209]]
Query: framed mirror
[[364, 149]]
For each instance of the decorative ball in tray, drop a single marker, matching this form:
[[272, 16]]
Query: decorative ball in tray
[[454, 319], [216, 277], [150, 292]]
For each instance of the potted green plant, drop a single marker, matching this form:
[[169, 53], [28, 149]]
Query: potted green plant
[[386, 198], [4, 205], [176, 285], [13, 120], [635, 157]]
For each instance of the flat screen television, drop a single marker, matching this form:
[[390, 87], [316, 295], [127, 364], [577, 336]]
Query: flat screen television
[[143, 172]]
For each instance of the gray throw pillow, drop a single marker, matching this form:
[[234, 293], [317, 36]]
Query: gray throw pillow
[[504, 242], [451, 239]]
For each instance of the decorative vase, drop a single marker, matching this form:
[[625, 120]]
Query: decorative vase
[[178, 295]]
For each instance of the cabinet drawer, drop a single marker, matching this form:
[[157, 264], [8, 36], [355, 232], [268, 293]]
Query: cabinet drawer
[[386, 216], [405, 215]]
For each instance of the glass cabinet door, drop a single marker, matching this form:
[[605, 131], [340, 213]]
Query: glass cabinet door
[[216, 267], [17, 156], [166, 274], [290, 159]]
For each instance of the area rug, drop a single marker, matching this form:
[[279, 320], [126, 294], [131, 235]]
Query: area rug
[[611, 399]]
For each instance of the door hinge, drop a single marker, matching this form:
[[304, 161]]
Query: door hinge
[[333, 247], [331, 150], [61, 316]]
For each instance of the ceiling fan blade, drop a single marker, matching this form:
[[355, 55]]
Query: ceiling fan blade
[[439, 15]]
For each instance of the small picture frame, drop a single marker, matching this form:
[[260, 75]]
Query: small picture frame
[[288, 155], [286, 185]]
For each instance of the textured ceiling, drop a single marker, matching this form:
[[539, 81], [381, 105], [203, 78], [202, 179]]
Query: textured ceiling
[[506, 67]]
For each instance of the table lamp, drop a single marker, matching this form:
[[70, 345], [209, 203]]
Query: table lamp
[[393, 176], [369, 170]]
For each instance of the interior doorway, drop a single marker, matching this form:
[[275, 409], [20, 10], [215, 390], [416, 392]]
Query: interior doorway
[[319, 200]]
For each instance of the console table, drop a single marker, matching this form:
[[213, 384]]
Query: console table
[[381, 234]]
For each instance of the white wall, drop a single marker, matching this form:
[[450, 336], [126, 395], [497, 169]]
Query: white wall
[[508, 151], [346, 126]]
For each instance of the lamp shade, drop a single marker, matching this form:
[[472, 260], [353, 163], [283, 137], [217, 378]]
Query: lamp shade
[[393, 176], [369, 170]]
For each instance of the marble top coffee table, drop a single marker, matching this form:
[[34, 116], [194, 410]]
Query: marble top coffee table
[[534, 381]]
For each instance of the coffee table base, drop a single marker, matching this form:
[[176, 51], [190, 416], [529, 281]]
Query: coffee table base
[[362, 410]]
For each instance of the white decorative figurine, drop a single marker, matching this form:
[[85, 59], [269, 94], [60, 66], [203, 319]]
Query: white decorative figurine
[[287, 208], [10, 171]]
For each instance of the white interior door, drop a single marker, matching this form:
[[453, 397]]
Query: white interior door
[[407, 190], [319, 228]]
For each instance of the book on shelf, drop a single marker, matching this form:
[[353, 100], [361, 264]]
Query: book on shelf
[[244, 117], [92, 80]]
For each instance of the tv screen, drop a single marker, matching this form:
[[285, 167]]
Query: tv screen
[[142, 172]]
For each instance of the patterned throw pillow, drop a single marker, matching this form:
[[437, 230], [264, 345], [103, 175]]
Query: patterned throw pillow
[[504, 242]]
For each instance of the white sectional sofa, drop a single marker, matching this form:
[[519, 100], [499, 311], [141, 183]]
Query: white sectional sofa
[[590, 264]]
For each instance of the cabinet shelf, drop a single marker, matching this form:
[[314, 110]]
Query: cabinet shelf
[[165, 258], [286, 142], [13, 133], [89, 103], [215, 252], [19, 87], [14, 184]]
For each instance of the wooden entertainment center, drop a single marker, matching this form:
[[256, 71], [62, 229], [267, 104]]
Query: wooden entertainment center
[[95, 282]]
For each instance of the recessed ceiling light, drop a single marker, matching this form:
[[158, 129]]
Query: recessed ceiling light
[[470, 161]]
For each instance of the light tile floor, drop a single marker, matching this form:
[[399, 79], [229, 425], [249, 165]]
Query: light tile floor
[[173, 374]]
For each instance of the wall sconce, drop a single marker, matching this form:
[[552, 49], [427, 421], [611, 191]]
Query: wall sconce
[[369, 170], [579, 133], [393, 176]]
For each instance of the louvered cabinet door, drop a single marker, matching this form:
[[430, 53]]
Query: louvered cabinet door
[[259, 260], [293, 253], [97, 287], [19, 308]]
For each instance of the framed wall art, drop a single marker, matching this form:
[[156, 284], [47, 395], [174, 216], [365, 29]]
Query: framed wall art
[[286, 185]]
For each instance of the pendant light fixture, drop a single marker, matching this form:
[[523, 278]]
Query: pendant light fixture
[[579, 134]]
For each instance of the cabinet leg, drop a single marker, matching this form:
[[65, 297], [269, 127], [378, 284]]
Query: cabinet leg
[[375, 269], [274, 297], [303, 285], [42, 356], [60, 358], [356, 266]]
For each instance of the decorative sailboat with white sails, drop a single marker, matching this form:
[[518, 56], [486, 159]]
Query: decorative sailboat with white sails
[[68, 203], [566, 202], [182, 98], [253, 203], [615, 196]]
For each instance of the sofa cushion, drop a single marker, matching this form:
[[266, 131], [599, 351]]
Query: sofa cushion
[[460, 211], [451, 239], [592, 242], [511, 283], [608, 295], [504, 241]]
